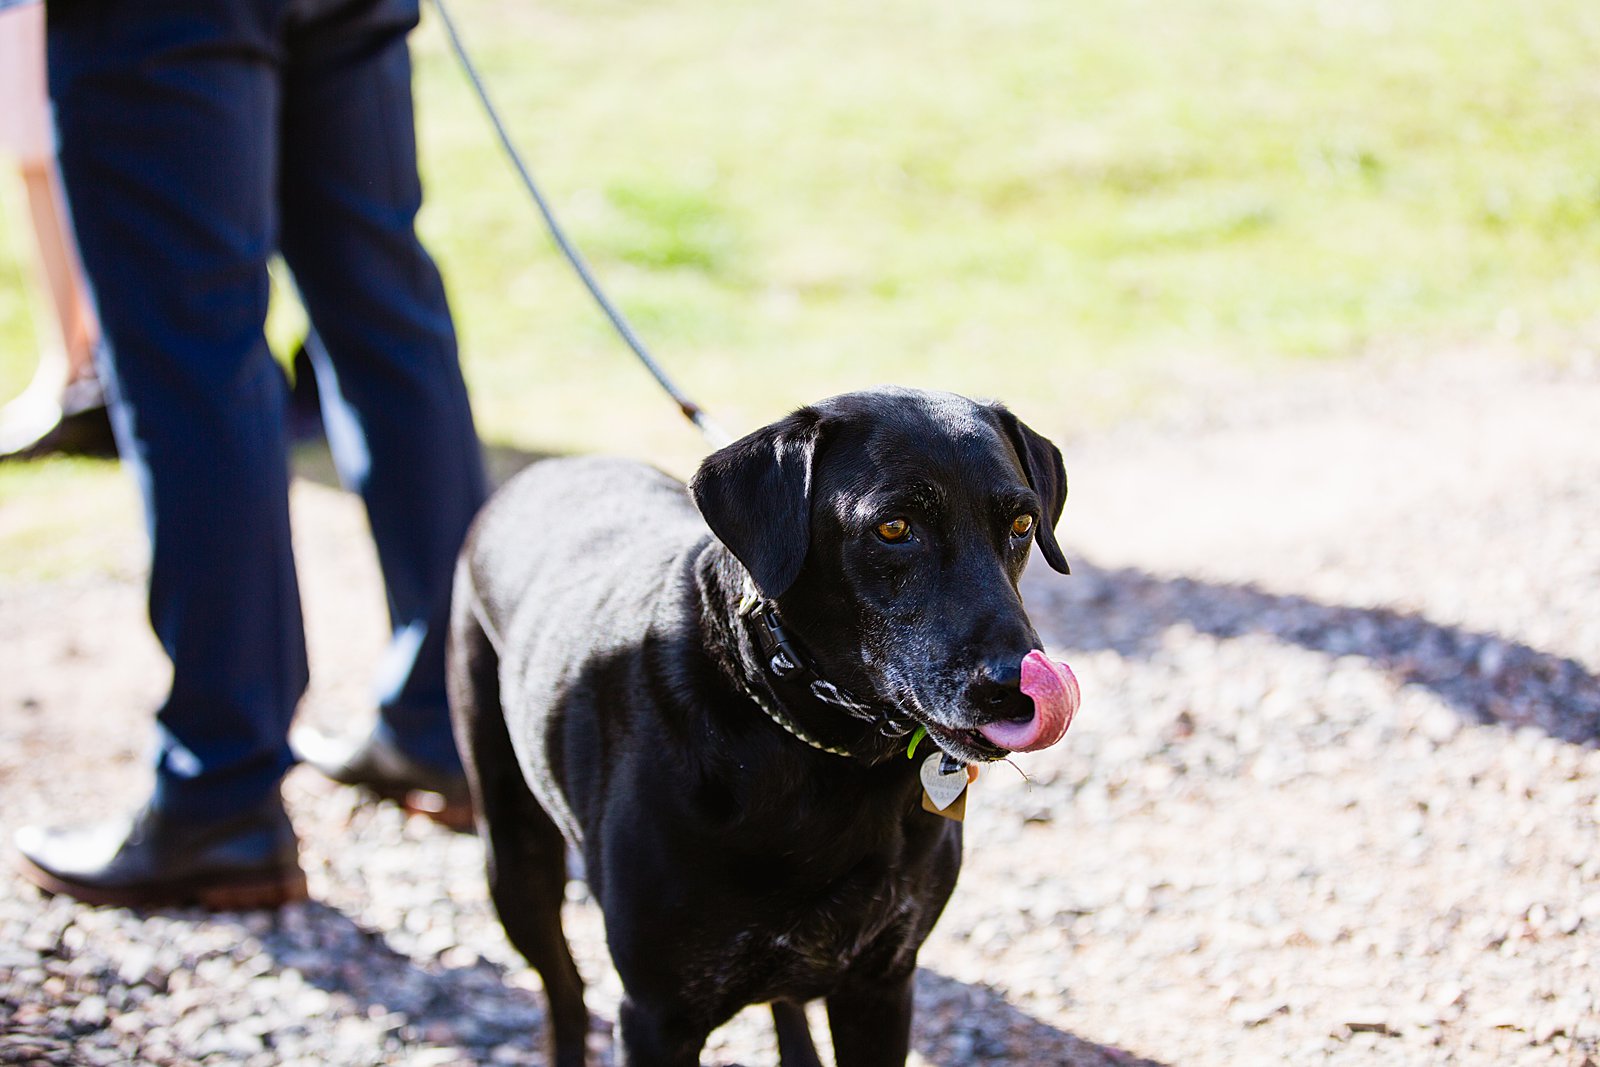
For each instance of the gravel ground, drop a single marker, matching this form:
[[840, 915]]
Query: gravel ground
[[1332, 798]]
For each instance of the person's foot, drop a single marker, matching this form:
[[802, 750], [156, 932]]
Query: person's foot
[[73, 422], [377, 765], [156, 861]]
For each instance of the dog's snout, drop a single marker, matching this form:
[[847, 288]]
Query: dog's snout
[[996, 693]]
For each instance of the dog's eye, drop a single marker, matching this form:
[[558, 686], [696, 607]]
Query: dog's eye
[[894, 530], [1021, 525]]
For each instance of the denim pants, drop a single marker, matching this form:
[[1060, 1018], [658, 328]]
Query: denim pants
[[198, 138]]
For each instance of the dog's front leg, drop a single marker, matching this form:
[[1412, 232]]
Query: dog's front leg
[[871, 1022], [656, 1034], [795, 1047]]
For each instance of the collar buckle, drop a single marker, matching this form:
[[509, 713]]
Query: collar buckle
[[777, 649]]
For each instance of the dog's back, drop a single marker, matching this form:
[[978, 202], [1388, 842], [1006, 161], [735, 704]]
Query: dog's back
[[566, 563], [562, 527]]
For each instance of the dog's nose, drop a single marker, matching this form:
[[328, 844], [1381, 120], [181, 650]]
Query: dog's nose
[[996, 693]]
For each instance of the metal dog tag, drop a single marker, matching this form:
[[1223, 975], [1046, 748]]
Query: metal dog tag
[[956, 812], [942, 792]]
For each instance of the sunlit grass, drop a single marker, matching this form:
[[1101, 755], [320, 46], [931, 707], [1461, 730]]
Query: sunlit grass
[[1020, 199], [61, 516], [1062, 205]]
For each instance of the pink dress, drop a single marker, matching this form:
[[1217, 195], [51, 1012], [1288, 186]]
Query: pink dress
[[25, 128]]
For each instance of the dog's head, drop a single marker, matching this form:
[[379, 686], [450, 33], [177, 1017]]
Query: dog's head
[[892, 528]]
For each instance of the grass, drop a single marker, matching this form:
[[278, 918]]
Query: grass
[[63, 517], [1057, 203], [1062, 205]]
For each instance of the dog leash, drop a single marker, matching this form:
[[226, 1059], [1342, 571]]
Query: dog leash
[[713, 433]]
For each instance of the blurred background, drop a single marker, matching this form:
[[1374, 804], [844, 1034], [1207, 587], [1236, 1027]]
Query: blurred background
[[1081, 209]]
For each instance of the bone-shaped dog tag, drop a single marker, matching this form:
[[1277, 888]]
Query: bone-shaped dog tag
[[943, 794]]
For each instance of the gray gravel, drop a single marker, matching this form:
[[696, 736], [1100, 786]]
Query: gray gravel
[[1332, 798]]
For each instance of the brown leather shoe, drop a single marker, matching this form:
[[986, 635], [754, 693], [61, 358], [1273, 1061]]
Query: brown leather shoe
[[379, 766], [156, 861]]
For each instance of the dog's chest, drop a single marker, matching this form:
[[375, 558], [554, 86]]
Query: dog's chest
[[802, 948]]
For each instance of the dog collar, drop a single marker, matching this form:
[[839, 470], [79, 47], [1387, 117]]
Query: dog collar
[[790, 725], [785, 660]]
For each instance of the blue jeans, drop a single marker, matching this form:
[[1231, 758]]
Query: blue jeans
[[197, 138]]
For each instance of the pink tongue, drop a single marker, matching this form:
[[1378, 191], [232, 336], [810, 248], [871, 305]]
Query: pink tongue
[[1055, 695]]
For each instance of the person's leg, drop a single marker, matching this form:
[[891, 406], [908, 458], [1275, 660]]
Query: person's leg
[[393, 396], [63, 274], [62, 407], [167, 117]]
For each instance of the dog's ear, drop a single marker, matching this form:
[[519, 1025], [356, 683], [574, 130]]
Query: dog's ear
[[1047, 476], [755, 494]]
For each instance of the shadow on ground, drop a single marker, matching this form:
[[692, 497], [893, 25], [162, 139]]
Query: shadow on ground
[[471, 1008], [474, 1010], [977, 1025], [1483, 676]]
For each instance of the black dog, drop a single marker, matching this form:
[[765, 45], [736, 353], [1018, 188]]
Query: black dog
[[720, 723]]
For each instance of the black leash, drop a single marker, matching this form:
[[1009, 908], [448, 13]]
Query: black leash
[[713, 433], [784, 660]]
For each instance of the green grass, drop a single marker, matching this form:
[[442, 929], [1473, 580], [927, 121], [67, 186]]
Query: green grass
[[1051, 203], [1057, 204], [65, 516]]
